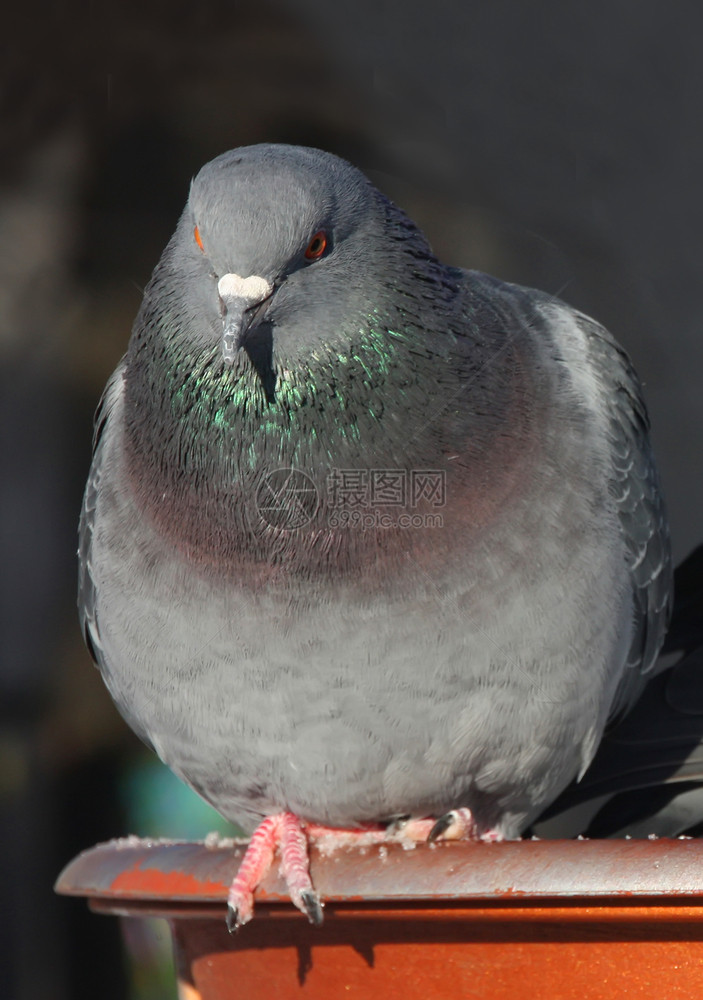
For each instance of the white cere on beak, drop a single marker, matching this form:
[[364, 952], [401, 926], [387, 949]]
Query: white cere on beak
[[238, 295], [253, 288]]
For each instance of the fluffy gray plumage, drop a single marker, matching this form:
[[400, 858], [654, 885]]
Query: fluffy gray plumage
[[343, 674], [650, 766]]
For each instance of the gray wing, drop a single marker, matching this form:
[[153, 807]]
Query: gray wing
[[637, 493], [87, 585], [651, 764], [87, 609]]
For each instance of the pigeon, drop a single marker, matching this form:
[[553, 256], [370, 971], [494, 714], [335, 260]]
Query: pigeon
[[371, 545]]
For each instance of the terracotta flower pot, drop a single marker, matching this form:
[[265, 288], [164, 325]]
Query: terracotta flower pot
[[557, 919]]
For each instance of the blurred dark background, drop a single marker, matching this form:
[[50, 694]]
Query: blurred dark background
[[558, 145]]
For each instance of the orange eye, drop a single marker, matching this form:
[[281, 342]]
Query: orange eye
[[317, 245], [198, 239]]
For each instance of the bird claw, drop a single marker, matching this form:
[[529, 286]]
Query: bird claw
[[240, 907], [457, 824], [312, 907], [442, 824], [232, 919]]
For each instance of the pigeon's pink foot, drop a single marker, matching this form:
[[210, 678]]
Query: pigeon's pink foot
[[457, 824], [284, 831], [256, 862], [291, 835], [414, 829]]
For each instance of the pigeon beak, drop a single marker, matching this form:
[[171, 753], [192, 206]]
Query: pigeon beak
[[239, 297]]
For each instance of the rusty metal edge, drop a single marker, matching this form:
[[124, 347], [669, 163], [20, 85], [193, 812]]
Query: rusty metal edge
[[199, 873]]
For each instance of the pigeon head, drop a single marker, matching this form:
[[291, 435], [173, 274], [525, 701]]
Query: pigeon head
[[283, 307], [292, 244], [258, 208]]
